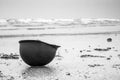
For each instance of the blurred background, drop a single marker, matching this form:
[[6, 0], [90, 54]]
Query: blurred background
[[59, 9]]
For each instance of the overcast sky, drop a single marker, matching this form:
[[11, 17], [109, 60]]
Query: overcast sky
[[59, 8]]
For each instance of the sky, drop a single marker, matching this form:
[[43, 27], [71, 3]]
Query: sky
[[60, 9]]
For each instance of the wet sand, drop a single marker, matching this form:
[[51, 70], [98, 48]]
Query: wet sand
[[80, 57]]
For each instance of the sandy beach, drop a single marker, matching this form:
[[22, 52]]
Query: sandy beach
[[91, 53], [85, 57]]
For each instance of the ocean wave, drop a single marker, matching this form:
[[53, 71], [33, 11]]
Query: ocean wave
[[3, 23], [83, 22]]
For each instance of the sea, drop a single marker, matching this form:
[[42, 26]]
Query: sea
[[63, 32]]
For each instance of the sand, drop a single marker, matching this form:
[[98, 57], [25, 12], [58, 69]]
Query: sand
[[80, 57]]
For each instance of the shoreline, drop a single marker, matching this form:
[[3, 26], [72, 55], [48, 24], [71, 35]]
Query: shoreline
[[87, 57], [91, 53], [60, 31], [63, 34]]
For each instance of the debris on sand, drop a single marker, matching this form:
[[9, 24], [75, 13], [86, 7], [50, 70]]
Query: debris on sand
[[86, 76], [87, 55], [108, 58], [119, 56], [88, 51], [9, 56], [68, 73], [81, 51], [117, 66], [94, 65], [4, 77], [109, 40], [103, 49]]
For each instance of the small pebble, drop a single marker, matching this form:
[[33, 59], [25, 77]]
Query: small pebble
[[68, 73], [113, 47], [81, 51], [88, 50], [109, 40], [108, 58], [119, 56], [89, 46]]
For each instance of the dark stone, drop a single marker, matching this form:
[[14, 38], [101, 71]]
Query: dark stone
[[68, 74], [81, 51], [108, 58], [109, 40]]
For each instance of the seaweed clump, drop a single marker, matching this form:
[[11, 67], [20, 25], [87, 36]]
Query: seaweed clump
[[9, 56], [103, 49]]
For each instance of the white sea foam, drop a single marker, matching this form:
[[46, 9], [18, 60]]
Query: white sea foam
[[61, 22], [3, 23]]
